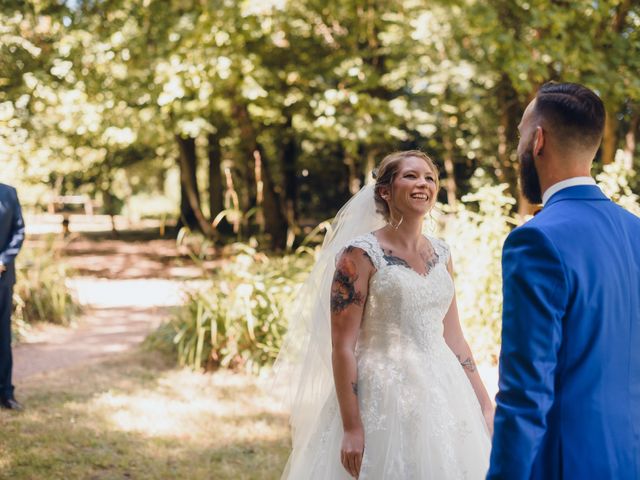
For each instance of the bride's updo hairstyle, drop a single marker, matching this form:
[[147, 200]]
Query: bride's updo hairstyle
[[387, 171]]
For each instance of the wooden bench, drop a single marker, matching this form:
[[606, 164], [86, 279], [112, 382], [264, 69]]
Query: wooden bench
[[58, 202]]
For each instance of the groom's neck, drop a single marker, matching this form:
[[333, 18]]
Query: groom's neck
[[555, 168]]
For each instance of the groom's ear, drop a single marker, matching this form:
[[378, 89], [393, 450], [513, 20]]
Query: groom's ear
[[538, 141]]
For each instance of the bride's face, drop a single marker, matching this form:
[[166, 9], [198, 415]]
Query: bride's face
[[414, 187]]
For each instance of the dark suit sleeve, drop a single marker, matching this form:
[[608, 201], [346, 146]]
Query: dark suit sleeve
[[535, 297], [17, 234]]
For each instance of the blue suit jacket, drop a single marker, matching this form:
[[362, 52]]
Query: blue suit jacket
[[569, 400], [11, 232]]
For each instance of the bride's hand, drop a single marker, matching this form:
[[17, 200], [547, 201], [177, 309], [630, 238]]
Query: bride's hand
[[352, 450], [488, 413]]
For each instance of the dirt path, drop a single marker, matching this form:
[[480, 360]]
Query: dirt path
[[128, 287]]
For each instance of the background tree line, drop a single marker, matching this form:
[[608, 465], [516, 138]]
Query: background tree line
[[263, 116]]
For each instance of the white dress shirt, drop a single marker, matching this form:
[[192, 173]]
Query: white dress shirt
[[569, 182]]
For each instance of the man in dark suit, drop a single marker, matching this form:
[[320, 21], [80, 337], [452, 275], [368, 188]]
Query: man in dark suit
[[568, 405], [11, 238]]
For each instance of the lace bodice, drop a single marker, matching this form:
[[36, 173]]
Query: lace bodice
[[404, 309]]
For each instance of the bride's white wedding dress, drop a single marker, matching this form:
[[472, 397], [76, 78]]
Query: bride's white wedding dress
[[421, 417]]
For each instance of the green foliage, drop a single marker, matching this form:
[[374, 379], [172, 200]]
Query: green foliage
[[94, 96], [476, 231], [237, 321], [41, 293]]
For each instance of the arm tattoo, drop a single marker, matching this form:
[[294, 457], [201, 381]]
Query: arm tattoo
[[354, 387], [468, 364], [343, 289], [364, 254]]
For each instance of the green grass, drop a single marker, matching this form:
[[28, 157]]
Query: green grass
[[134, 417]]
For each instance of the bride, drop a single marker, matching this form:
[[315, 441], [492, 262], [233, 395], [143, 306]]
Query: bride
[[384, 383]]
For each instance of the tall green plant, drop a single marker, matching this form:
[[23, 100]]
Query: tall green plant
[[237, 321], [41, 293]]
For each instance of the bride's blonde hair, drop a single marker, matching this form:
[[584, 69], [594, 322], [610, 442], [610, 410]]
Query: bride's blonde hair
[[386, 172]]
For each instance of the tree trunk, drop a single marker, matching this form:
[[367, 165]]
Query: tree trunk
[[248, 144], [187, 213], [609, 140], [510, 114], [109, 205], [190, 210], [630, 140], [275, 223], [289, 164], [216, 190], [275, 220], [354, 177], [450, 181], [369, 165]]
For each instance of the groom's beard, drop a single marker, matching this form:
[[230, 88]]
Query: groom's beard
[[529, 180]]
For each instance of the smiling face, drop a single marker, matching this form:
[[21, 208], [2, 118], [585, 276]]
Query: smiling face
[[414, 188]]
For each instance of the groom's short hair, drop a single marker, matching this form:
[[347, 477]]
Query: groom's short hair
[[571, 111]]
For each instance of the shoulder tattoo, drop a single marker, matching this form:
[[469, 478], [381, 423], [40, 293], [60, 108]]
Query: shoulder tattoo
[[343, 289]]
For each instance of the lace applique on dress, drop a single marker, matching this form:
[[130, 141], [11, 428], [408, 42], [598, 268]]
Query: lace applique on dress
[[369, 245], [442, 249]]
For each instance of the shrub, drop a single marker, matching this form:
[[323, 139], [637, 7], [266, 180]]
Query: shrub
[[615, 182], [237, 321], [41, 293], [476, 231]]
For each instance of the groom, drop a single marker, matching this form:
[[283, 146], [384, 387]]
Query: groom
[[569, 399], [11, 238]]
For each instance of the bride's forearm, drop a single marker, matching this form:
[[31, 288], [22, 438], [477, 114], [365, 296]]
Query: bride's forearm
[[465, 357], [480, 390], [345, 376]]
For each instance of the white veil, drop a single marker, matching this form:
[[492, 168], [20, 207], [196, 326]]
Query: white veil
[[303, 366]]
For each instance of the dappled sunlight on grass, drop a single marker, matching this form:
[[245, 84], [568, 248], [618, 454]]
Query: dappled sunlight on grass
[[5, 459], [186, 405], [134, 417], [147, 414]]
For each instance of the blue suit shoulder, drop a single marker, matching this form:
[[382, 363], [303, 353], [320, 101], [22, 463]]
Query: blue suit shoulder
[[541, 225], [4, 188]]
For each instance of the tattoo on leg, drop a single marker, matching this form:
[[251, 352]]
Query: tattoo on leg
[[343, 290], [468, 364], [354, 387]]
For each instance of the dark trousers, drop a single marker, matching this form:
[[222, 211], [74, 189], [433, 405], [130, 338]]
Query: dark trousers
[[6, 359]]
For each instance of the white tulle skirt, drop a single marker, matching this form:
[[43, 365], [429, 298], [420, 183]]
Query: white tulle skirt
[[421, 418]]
